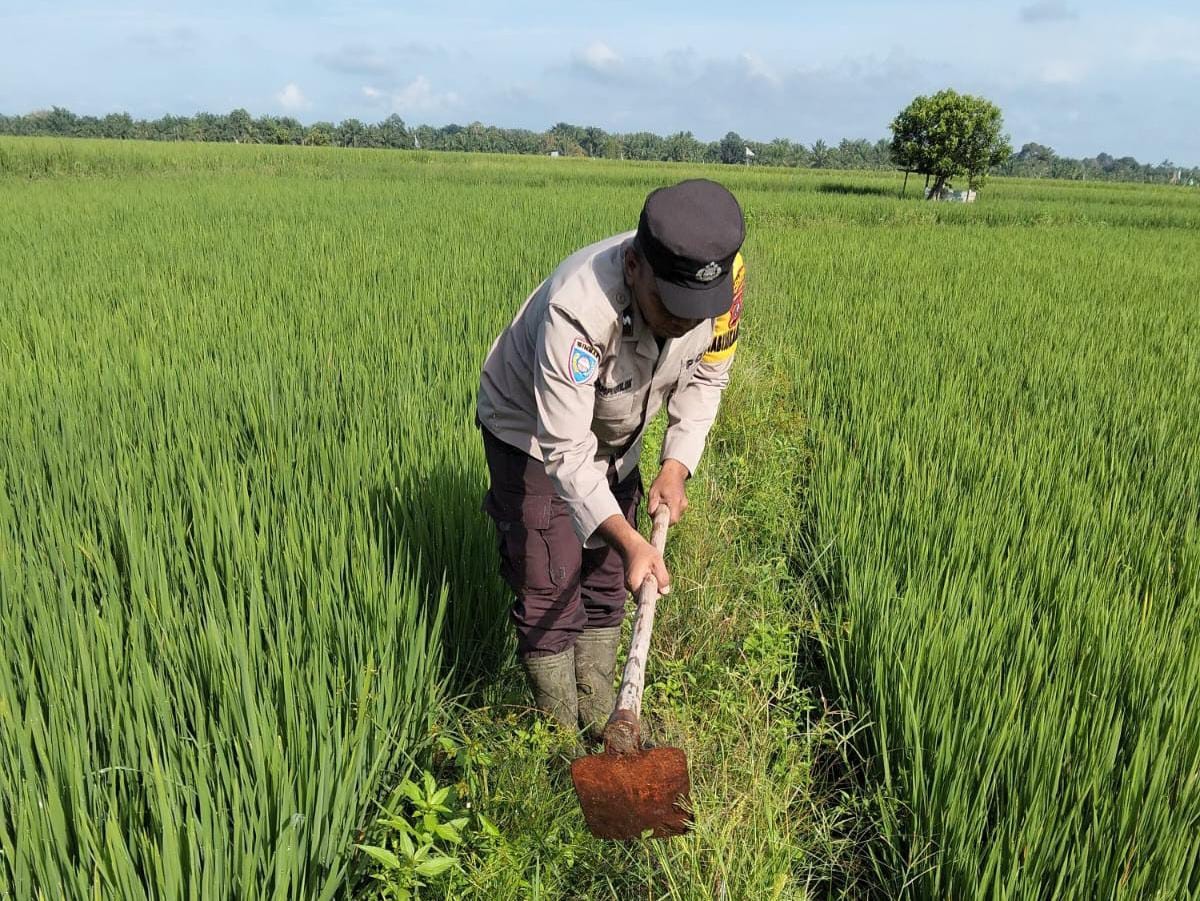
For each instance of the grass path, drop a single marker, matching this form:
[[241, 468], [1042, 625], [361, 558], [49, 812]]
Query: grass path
[[730, 681]]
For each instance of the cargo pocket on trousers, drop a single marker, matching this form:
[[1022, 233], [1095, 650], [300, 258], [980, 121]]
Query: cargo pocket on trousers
[[522, 526]]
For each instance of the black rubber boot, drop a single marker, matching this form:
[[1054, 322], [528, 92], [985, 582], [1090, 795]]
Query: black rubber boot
[[595, 667], [552, 680]]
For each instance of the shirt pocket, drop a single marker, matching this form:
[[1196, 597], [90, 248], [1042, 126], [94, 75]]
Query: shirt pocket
[[616, 394], [615, 408], [616, 416]]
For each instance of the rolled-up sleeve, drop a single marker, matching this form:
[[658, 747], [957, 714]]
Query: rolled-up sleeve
[[564, 425], [691, 411]]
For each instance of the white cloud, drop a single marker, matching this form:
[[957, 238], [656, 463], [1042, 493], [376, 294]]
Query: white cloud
[[418, 96], [599, 58], [292, 98], [756, 67]]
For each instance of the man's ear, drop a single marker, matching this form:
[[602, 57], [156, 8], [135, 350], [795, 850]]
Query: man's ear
[[631, 263]]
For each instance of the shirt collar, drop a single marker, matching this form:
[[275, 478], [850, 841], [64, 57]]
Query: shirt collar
[[646, 345]]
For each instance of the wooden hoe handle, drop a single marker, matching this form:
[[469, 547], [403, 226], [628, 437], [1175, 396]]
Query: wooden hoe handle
[[622, 734]]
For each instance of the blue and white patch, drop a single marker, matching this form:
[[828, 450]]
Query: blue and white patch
[[584, 362]]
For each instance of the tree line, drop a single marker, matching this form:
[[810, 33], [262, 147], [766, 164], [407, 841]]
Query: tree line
[[1032, 160]]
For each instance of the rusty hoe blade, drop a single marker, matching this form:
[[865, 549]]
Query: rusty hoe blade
[[626, 791], [625, 795]]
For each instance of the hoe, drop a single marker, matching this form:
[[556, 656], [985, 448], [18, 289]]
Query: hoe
[[628, 790]]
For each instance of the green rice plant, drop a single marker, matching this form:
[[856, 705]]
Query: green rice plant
[[221, 646], [242, 557], [1006, 434]]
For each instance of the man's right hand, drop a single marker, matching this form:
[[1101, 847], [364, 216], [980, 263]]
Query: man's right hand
[[640, 557], [644, 560]]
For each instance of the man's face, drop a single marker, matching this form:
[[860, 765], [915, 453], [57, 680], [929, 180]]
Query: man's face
[[640, 279]]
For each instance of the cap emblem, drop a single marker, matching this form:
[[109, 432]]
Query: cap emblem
[[708, 272]]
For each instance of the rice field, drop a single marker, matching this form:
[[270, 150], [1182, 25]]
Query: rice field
[[245, 580]]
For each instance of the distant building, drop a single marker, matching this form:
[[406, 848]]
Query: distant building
[[555, 153]]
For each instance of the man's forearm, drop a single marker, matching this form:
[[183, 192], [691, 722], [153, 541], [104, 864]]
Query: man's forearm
[[675, 468], [619, 534], [639, 557]]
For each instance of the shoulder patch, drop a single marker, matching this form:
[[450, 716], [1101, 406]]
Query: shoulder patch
[[584, 361], [726, 326]]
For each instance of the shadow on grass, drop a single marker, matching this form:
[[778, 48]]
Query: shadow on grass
[[837, 187], [434, 518]]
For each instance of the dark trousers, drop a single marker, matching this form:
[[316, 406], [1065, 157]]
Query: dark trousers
[[561, 588]]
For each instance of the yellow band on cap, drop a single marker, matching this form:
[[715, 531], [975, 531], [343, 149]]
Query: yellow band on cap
[[726, 326]]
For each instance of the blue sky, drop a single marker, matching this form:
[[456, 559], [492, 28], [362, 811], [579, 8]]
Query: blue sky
[[1083, 77]]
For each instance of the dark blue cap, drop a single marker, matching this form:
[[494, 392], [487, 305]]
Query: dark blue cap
[[690, 234]]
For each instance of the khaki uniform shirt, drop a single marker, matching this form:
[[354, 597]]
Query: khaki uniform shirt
[[576, 376]]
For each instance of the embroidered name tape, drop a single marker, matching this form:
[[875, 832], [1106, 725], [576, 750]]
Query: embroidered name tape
[[610, 390]]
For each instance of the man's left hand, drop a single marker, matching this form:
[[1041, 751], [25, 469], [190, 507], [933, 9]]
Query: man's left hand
[[668, 488]]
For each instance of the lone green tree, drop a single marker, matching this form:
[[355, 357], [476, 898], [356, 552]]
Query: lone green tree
[[949, 134], [733, 148]]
